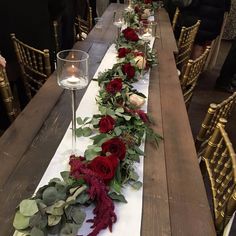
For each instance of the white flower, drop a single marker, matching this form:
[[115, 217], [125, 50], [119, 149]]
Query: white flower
[[140, 61], [136, 100]]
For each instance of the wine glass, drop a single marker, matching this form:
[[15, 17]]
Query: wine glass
[[72, 74], [145, 34], [118, 21]]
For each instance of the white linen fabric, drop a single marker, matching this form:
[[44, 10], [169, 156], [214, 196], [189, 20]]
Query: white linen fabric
[[128, 215]]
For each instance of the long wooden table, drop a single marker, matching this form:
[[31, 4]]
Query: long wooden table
[[175, 201]]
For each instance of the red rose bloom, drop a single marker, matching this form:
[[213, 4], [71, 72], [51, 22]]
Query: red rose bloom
[[122, 52], [130, 34], [114, 86], [114, 146], [143, 116], [136, 9], [128, 70], [106, 124], [104, 166]]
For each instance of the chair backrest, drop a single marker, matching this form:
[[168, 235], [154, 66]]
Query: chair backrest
[[83, 27], [189, 77], [214, 113], [175, 18], [185, 44], [34, 64], [6, 95], [220, 160]]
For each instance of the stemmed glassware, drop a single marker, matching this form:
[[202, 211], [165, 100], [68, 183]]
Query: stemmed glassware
[[145, 34], [72, 74], [118, 21]]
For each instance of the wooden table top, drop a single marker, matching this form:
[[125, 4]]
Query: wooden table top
[[174, 200]]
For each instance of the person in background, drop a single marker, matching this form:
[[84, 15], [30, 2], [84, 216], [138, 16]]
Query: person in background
[[2, 61], [211, 14], [226, 81]]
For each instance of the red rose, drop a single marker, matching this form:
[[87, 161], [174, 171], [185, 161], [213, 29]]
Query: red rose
[[136, 9], [128, 70], [106, 124], [114, 146], [104, 166], [114, 86], [130, 34], [143, 116], [122, 52]]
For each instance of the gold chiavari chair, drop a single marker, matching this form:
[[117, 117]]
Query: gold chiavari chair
[[220, 161], [185, 44], [34, 64], [83, 27], [55, 24], [189, 77], [175, 18], [214, 113], [6, 95]]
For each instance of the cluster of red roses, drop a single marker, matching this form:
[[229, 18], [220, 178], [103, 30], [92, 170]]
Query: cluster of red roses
[[104, 166], [130, 34]]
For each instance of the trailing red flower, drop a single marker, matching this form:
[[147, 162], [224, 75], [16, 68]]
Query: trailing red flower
[[106, 124], [114, 146], [114, 86], [128, 70], [104, 167], [122, 52], [98, 192], [143, 116], [130, 34]]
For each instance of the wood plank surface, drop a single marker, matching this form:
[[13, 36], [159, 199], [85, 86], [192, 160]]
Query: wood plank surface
[[26, 174], [155, 218], [189, 208], [174, 200]]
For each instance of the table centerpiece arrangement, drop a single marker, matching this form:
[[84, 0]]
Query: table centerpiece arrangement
[[108, 165]]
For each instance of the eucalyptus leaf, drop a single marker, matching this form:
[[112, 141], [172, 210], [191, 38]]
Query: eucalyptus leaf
[[136, 185], [120, 110], [87, 131], [69, 230], [56, 209], [28, 207], [133, 175], [78, 216], [53, 220], [79, 120], [79, 132], [36, 232], [82, 198], [117, 131], [21, 221], [38, 220], [50, 195], [90, 154], [66, 177], [117, 197]]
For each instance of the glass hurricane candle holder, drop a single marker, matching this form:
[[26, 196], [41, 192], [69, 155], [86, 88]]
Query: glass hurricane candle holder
[[72, 74]]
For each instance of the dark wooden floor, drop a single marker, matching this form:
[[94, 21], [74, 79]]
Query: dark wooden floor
[[206, 94]]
